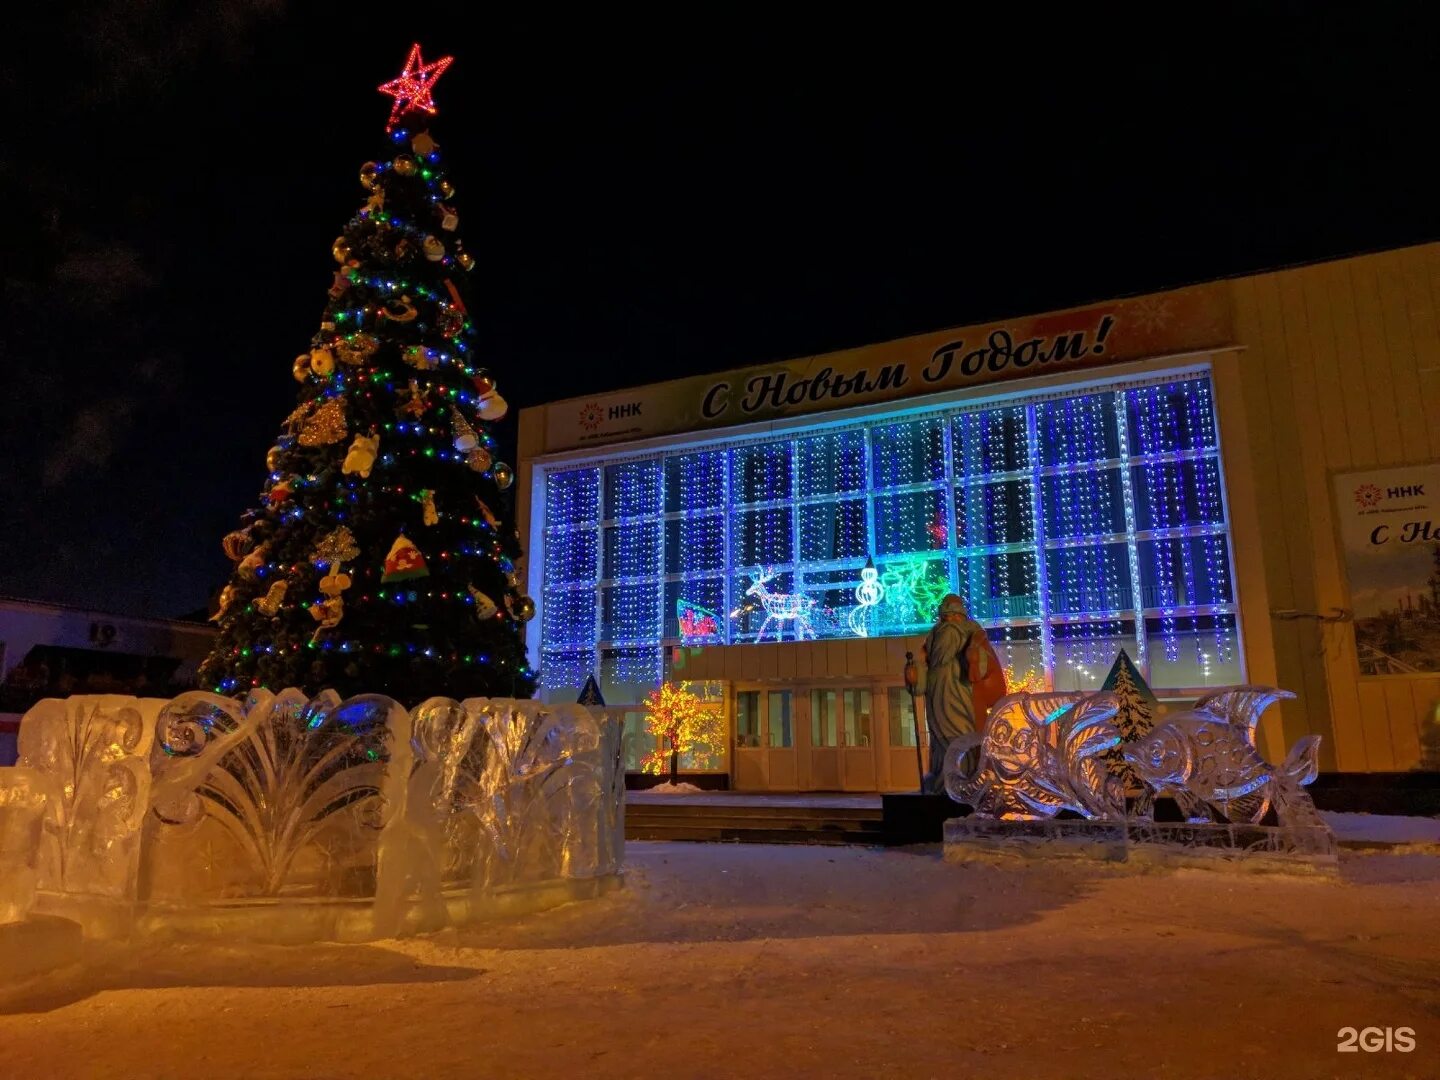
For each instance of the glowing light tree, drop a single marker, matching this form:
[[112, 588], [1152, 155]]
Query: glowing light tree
[[376, 560], [681, 724]]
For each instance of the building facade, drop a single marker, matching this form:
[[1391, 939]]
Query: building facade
[[52, 650], [1155, 474]]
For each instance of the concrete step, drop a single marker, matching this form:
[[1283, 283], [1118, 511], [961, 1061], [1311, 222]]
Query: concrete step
[[748, 835], [780, 822]]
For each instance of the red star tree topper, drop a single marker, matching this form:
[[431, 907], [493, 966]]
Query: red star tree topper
[[412, 89]]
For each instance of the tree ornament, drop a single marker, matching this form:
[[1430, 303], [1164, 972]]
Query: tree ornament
[[449, 219], [485, 608], [337, 546], [447, 189], [417, 356], [521, 607], [273, 598], [428, 512], [465, 259], [423, 144], [361, 456], [301, 368], [404, 562], [411, 90], [370, 176], [250, 565], [479, 459], [400, 310], [504, 475], [299, 413], [227, 597], [465, 437], [434, 249], [272, 457], [492, 405], [237, 543], [450, 321], [358, 349], [325, 425], [414, 400], [485, 512], [340, 283], [340, 249], [404, 165], [327, 613], [280, 492], [376, 202], [322, 362], [402, 250]]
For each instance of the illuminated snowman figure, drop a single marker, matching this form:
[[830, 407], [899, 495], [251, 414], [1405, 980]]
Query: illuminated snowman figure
[[867, 594]]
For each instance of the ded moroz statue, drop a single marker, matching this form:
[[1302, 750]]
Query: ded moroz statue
[[957, 655]]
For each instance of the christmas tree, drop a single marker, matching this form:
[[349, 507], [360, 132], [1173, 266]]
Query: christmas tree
[[376, 560], [1134, 718]]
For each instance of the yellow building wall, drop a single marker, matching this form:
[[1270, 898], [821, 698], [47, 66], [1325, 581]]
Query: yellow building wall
[[1340, 370]]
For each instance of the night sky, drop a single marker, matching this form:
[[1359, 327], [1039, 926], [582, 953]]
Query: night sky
[[647, 199]]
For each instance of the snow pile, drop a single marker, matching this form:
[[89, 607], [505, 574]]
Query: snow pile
[[674, 789]]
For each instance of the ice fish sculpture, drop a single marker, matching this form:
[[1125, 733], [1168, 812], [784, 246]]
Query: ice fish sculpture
[[1039, 754], [1206, 758]]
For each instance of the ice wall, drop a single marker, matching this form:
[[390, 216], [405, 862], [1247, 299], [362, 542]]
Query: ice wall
[[312, 817]]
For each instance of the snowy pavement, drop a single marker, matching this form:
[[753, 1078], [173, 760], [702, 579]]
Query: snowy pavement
[[724, 960]]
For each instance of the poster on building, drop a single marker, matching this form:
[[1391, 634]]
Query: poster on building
[[1390, 532]]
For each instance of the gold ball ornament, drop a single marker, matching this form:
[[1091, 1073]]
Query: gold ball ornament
[[525, 609], [272, 458], [447, 189], [504, 475], [322, 362], [369, 175], [465, 259], [340, 249], [404, 165], [301, 368]]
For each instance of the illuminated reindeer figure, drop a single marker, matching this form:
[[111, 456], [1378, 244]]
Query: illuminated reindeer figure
[[781, 608]]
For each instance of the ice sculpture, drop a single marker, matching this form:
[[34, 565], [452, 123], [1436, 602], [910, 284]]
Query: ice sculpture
[[1206, 760], [90, 752], [23, 797], [353, 819], [1039, 754], [1043, 753]]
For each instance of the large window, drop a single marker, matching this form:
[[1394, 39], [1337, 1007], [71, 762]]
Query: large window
[[1074, 524]]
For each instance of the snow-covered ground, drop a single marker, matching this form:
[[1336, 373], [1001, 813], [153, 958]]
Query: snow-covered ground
[[1383, 829], [724, 960]]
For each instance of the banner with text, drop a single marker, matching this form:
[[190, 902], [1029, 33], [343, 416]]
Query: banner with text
[[1390, 531], [1186, 320]]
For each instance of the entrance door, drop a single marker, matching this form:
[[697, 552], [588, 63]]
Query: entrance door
[[842, 743], [765, 754], [857, 741], [901, 770]]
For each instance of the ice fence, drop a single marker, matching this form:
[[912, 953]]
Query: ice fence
[[283, 817]]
